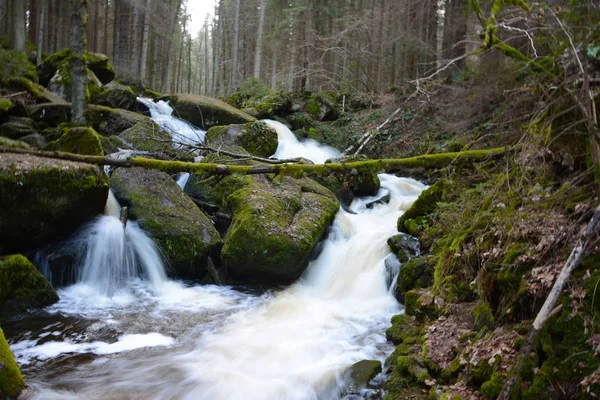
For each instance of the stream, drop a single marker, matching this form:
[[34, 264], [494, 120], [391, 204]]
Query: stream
[[125, 331]]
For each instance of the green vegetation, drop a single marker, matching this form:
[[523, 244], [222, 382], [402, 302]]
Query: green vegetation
[[11, 380]]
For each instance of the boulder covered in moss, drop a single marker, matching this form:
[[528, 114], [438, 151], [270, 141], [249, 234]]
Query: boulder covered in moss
[[11, 380], [112, 121], [100, 66], [44, 199], [275, 226], [48, 67], [78, 140], [322, 107], [415, 274], [420, 303], [5, 106], [404, 246], [148, 136], [60, 83], [256, 138], [360, 374], [116, 95], [15, 128], [185, 236], [205, 112], [22, 287], [425, 204]]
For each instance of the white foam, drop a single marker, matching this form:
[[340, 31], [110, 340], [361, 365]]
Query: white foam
[[181, 131]]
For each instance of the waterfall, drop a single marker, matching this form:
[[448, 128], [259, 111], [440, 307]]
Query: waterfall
[[182, 132], [182, 179], [290, 147], [115, 255]]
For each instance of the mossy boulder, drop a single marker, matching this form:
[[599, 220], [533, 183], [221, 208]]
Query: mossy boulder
[[148, 136], [275, 226], [34, 140], [420, 303], [16, 128], [112, 121], [11, 380], [22, 287], [425, 204], [116, 95], [97, 63], [416, 273], [14, 64], [5, 106], [13, 144], [322, 107], [360, 374], [43, 199], [60, 83], [78, 140], [100, 66], [185, 236], [360, 183], [205, 112], [256, 138]]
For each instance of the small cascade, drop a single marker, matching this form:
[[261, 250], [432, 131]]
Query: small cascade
[[290, 147], [182, 179], [115, 254], [182, 132]]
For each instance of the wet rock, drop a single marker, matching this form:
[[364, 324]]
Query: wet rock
[[404, 246], [11, 380], [425, 204], [360, 183], [256, 138], [205, 112], [385, 199], [415, 274], [360, 374], [22, 287], [183, 233], [43, 199]]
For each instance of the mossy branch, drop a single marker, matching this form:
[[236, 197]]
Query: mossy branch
[[428, 161]]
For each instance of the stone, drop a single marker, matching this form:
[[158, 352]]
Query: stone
[[205, 112], [360, 374], [256, 138], [11, 380]]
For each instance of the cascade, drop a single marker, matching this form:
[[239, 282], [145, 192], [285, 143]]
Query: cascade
[[210, 342], [181, 131]]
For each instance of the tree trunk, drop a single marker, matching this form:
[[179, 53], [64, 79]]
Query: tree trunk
[[40, 39], [134, 64], [216, 49], [167, 71], [18, 25], [144, 57], [234, 49], [259, 39], [274, 71], [78, 69]]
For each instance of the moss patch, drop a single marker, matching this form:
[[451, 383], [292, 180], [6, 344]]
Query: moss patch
[[205, 112], [78, 140], [11, 380]]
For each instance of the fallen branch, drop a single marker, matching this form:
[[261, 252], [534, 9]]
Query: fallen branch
[[428, 161], [572, 262]]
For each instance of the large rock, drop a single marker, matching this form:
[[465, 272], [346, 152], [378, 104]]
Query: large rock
[[78, 140], [11, 380], [43, 199], [360, 374], [256, 138], [60, 83], [425, 204], [415, 274], [116, 95], [100, 66], [48, 67], [16, 128], [275, 226], [205, 112], [22, 287], [185, 236], [105, 120]]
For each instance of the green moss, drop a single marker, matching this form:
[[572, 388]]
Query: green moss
[[416, 273], [22, 287], [492, 388], [404, 330], [11, 380], [14, 64], [78, 140], [21, 84], [419, 303], [5, 106], [484, 318], [13, 144], [205, 112], [425, 203]]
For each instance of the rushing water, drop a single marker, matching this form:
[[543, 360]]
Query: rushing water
[[181, 131], [145, 337]]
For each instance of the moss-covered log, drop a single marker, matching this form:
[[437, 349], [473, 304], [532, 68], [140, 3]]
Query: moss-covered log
[[424, 162]]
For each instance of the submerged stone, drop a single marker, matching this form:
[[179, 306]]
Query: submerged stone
[[43, 199], [22, 287], [361, 373], [11, 380], [184, 235]]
